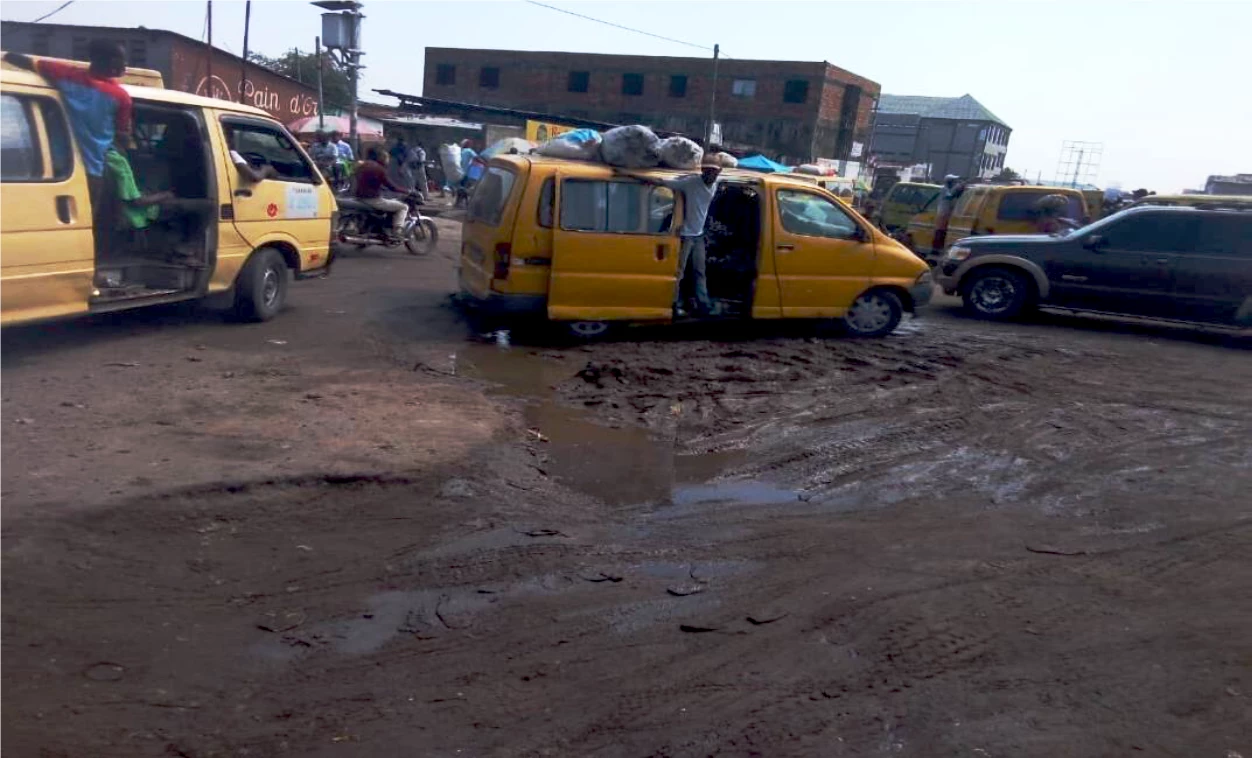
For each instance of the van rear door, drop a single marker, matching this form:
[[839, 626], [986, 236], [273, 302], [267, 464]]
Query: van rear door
[[614, 250]]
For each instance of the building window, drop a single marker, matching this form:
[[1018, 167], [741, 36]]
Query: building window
[[579, 81], [445, 74], [678, 85], [796, 91], [632, 84], [138, 53], [743, 88], [78, 49], [40, 44], [489, 77]]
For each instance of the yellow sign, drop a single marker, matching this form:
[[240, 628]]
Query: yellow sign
[[541, 131]]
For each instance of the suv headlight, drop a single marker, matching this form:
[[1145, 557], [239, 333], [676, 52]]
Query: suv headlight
[[958, 253]]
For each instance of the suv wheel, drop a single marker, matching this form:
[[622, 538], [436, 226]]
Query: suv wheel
[[997, 293]]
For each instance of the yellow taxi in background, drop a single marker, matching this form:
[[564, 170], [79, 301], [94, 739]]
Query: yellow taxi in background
[[590, 246], [989, 209]]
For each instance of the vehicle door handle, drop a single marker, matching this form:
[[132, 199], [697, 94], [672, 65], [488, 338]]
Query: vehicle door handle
[[66, 209], [785, 248], [661, 252], [1162, 260], [243, 193], [1073, 278]]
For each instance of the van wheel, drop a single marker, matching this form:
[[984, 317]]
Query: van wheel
[[587, 330], [996, 293], [261, 288], [874, 314]]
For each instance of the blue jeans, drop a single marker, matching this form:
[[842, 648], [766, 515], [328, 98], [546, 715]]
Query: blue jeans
[[693, 254]]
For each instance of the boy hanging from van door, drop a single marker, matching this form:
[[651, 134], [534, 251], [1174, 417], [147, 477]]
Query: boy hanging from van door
[[99, 109]]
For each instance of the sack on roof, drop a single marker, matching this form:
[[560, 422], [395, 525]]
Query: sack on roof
[[631, 147], [578, 145], [680, 152]]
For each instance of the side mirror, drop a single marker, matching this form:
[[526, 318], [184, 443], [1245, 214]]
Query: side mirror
[[860, 235], [1095, 242]]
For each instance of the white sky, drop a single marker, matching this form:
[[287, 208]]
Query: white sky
[[1161, 83]]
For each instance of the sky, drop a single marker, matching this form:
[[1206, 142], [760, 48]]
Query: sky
[[1161, 84]]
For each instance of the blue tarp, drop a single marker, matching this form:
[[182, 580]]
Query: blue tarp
[[761, 163]]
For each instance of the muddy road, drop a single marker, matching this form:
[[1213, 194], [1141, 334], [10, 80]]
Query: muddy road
[[358, 530]]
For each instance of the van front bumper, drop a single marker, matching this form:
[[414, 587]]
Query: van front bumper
[[921, 293]]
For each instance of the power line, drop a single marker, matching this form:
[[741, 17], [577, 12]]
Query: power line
[[53, 13], [619, 26]]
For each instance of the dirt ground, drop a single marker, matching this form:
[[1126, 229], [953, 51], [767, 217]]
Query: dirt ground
[[359, 530]]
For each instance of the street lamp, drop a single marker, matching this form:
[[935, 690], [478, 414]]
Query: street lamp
[[341, 30]]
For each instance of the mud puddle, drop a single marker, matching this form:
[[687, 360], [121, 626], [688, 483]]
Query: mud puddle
[[619, 464]]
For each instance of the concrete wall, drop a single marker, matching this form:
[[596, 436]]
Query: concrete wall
[[968, 149], [540, 82]]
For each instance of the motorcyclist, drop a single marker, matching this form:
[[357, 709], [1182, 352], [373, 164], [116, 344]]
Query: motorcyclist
[[371, 179], [326, 156]]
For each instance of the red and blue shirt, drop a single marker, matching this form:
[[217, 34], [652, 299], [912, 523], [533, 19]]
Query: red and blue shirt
[[99, 109]]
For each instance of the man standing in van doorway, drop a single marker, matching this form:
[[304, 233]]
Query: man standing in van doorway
[[99, 109], [697, 191]]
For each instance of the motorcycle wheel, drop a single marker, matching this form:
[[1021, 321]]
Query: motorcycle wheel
[[422, 237]]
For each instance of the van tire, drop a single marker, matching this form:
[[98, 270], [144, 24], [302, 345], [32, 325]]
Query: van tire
[[997, 293], [874, 314], [261, 287], [586, 331]]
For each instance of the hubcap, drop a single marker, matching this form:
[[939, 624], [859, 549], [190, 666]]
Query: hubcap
[[589, 328], [993, 294], [869, 313], [269, 287]]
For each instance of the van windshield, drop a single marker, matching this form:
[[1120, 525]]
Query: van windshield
[[492, 192]]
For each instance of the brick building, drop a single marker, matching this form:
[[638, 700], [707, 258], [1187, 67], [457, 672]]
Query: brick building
[[185, 64], [950, 135], [795, 112]]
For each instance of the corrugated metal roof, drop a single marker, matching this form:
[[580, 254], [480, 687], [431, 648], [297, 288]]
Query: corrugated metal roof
[[963, 108]]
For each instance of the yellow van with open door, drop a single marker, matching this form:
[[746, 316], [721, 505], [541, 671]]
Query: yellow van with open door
[[589, 246], [64, 253]]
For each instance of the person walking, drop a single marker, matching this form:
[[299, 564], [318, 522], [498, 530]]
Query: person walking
[[417, 167]]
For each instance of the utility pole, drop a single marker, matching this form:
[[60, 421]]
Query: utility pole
[[342, 31], [243, 63], [713, 97], [208, 54], [321, 110]]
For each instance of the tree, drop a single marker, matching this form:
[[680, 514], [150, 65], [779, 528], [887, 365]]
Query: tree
[[302, 66], [1007, 175]]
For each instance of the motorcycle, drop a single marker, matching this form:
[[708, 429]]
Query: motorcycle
[[361, 225]]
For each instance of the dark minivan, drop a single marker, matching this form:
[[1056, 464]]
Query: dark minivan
[[1184, 264]]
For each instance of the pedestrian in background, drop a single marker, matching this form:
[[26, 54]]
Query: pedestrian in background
[[952, 189]]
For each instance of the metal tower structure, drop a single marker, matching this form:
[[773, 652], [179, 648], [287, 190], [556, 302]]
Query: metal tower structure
[[1079, 163]]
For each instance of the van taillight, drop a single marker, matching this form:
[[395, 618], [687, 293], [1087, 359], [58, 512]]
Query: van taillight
[[503, 255]]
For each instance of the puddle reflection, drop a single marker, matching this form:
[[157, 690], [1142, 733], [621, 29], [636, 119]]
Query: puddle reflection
[[624, 465]]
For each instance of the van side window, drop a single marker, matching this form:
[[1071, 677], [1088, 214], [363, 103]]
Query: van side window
[[490, 196], [812, 215], [20, 160], [261, 145], [1020, 206], [621, 207], [59, 144], [546, 201]]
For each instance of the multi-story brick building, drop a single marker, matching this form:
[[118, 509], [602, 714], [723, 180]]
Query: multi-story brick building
[[796, 112]]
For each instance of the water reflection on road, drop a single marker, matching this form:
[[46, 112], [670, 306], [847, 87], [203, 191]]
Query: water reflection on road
[[623, 465]]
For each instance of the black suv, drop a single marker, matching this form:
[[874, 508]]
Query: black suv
[[1161, 262]]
